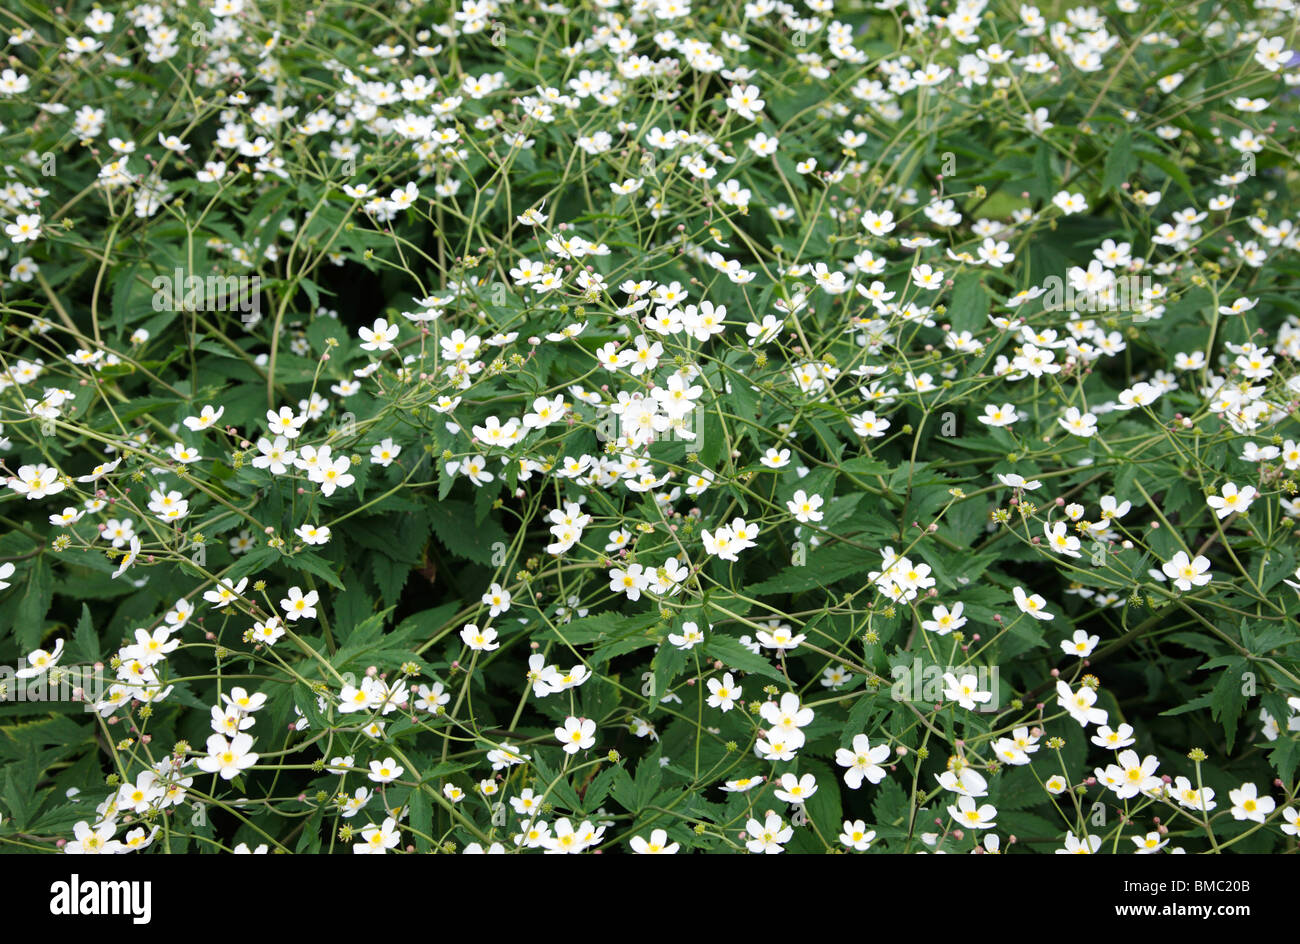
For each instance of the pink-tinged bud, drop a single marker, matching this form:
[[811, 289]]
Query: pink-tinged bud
[[1056, 673]]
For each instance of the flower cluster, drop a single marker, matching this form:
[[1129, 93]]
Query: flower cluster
[[525, 426]]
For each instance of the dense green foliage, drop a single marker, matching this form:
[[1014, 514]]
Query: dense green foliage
[[828, 427]]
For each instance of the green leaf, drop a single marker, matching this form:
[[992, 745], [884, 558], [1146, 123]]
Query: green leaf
[[562, 793], [821, 568], [455, 525], [598, 627], [1228, 700], [824, 807], [1120, 163], [1176, 173], [367, 635], [624, 789], [735, 656], [1283, 757], [648, 777], [309, 843], [890, 805], [17, 798], [390, 575], [317, 566], [970, 303], [864, 466], [85, 639], [667, 664], [421, 817], [34, 604], [599, 788]]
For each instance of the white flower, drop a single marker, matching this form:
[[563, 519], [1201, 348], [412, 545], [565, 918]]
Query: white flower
[[299, 606], [1081, 645], [1080, 704], [496, 599], [863, 762], [1248, 804], [805, 507], [384, 771], [40, 660], [228, 758], [1186, 573], [577, 734], [970, 816], [796, 790], [378, 338], [658, 844], [769, 836], [25, 228], [965, 690], [1031, 605], [1070, 202], [690, 636], [481, 640], [1231, 500]]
